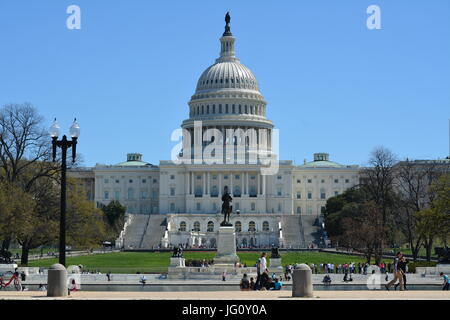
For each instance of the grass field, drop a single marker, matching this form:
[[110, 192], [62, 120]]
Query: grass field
[[132, 262]]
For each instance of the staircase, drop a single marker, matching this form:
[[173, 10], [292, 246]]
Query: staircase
[[292, 231], [135, 230], [311, 229], [154, 232]]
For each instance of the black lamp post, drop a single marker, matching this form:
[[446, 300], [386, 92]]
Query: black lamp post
[[64, 144]]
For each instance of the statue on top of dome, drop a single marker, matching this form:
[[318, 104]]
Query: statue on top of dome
[[227, 26]]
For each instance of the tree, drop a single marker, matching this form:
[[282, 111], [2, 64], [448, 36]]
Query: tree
[[114, 214], [434, 221], [412, 182], [86, 227], [378, 185], [24, 143], [365, 230]]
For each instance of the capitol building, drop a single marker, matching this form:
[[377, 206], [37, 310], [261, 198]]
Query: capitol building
[[227, 142]]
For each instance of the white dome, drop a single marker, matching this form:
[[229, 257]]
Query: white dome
[[227, 74]]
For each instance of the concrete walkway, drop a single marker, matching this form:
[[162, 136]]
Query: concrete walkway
[[234, 295]]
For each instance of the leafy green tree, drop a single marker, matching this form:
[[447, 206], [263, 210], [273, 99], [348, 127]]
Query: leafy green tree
[[114, 214]]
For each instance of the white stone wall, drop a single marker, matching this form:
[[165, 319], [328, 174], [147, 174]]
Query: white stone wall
[[135, 188]]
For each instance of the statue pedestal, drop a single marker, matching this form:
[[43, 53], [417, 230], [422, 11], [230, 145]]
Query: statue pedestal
[[275, 263], [177, 262], [226, 247]]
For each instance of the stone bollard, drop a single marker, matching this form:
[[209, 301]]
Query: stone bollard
[[302, 282], [57, 281]]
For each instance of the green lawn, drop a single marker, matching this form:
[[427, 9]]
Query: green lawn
[[131, 262]]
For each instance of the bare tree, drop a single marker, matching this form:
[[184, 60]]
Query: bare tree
[[24, 144], [378, 183]]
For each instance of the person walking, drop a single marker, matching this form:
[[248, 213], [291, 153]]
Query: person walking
[[402, 264], [398, 275], [446, 284], [261, 267]]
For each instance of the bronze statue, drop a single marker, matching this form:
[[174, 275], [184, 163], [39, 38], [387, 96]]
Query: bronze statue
[[227, 25], [227, 18], [275, 253], [226, 208], [177, 252]]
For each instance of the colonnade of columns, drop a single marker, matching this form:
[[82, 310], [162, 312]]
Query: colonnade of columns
[[216, 181]]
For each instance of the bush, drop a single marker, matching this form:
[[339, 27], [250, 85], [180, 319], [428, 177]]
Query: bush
[[413, 265]]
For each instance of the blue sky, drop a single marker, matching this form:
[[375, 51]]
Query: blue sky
[[332, 85]]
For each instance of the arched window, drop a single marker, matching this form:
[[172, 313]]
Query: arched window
[[238, 226], [130, 193], [210, 226], [251, 226], [265, 226], [182, 226], [196, 226]]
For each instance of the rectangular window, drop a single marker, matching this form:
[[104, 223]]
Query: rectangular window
[[143, 194], [106, 181], [347, 180], [117, 181], [309, 195], [172, 207], [299, 195], [336, 180], [309, 180], [106, 195], [322, 195], [155, 181], [117, 195], [199, 206], [299, 181], [336, 193], [172, 177], [299, 209], [309, 210], [237, 177], [144, 180], [172, 191], [279, 177], [279, 191], [253, 206]]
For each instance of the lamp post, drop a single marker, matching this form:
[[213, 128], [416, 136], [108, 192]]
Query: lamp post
[[64, 144]]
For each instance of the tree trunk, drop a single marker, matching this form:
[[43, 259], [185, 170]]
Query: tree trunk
[[5, 244], [429, 248], [24, 257]]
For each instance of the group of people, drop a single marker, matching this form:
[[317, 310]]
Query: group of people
[[350, 268], [263, 280]]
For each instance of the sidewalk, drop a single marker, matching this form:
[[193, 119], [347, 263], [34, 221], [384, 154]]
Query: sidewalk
[[232, 295]]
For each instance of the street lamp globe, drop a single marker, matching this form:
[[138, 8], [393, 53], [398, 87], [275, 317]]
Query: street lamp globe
[[54, 129], [75, 129]]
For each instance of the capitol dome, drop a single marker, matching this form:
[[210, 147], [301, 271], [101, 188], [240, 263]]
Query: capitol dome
[[227, 92], [227, 75], [227, 97]]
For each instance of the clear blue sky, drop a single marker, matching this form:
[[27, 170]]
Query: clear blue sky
[[331, 84]]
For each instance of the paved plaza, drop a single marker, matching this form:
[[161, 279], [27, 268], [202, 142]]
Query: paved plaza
[[232, 295]]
